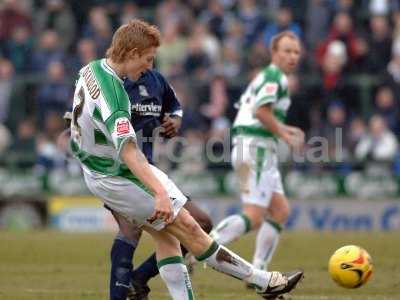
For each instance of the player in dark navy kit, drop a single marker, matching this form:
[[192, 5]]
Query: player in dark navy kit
[[153, 104]]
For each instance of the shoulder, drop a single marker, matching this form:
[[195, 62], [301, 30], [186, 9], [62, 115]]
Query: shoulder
[[272, 73]]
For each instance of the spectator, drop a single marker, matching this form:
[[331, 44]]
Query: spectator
[[210, 43], [342, 30], [216, 107], [357, 130], [333, 63], [5, 139], [48, 156], [57, 16], [257, 59], [393, 67], [347, 6], [334, 84], [12, 15], [217, 19], [196, 63], [47, 51], [234, 34], [231, 64], [192, 119], [253, 22], [54, 94], [335, 127], [379, 144], [86, 52], [129, 12], [396, 25], [173, 11], [99, 29], [23, 146], [362, 62], [298, 113], [284, 21], [18, 49], [172, 50], [388, 108], [317, 21], [196, 7], [380, 43], [6, 86]]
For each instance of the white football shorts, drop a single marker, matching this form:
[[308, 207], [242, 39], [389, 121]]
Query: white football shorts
[[132, 201], [256, 169]]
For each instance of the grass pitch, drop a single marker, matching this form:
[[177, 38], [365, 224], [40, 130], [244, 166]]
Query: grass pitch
[[51, 265]]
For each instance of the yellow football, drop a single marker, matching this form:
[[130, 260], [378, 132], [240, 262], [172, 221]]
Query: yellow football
[[350, 266]]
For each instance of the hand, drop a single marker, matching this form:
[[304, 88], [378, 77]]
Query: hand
[[63, 139], [294, 137], [162, 209], [170, 126]]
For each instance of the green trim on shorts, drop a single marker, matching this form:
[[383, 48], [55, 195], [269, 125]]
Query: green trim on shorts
[[247, 222], [106, 166], [169, 261], [259, 163], [274, 224], [210, 251], [252, 131]]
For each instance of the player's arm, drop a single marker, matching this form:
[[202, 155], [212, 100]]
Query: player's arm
[[124, 140], [267, 95], [292, 135], [137, 163]]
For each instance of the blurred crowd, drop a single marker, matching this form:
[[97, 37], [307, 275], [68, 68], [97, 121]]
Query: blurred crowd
[[349, 78]]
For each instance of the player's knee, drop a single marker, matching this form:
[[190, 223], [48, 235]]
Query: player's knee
[[256, 221], [280, 214], [255, 215]]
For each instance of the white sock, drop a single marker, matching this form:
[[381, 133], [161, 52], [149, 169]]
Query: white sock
[[230, 229], [225, 261], [266, 243], [176, 277]]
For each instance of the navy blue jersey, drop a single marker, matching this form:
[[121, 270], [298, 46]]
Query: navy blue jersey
[[151, 98]]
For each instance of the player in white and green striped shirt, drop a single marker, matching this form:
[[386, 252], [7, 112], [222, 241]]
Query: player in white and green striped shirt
[[259, 123]]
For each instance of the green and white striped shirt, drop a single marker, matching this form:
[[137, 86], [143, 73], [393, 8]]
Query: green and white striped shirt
[[269, 87], [101, 121]]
